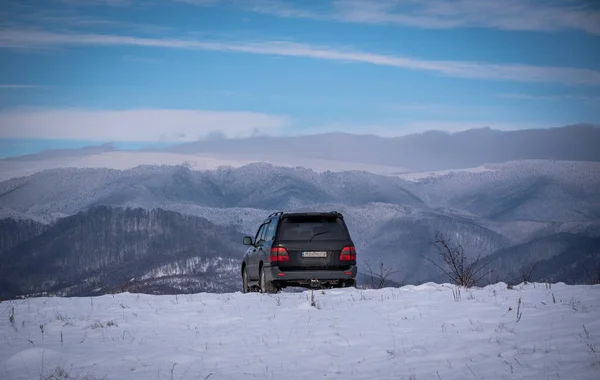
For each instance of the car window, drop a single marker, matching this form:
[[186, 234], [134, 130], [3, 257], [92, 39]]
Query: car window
[[312, 227], [270, 230], [260, 233]]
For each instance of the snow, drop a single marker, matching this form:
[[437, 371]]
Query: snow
[[417, 176], [413, 332], [199, 264]]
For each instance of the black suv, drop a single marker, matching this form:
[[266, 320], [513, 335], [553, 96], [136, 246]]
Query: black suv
[[307, 249]]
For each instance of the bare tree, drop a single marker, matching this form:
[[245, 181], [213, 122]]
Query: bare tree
[[380, 277], [461, 270], [526, 272]]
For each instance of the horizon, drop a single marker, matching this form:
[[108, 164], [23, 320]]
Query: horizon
[[15, 148], [146, 73]]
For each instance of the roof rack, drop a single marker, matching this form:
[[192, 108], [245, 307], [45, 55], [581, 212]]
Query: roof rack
[[276, 213]]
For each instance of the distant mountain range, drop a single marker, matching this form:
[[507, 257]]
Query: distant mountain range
[[433, 150], [423, 152], [157, 228]]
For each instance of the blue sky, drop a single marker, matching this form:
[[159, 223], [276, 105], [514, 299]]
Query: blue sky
[[150, 71]]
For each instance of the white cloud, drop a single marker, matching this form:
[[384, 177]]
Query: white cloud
[[175, 125], [519, 15], [515, 15], [135, 125], [506, 14], [23, 39]]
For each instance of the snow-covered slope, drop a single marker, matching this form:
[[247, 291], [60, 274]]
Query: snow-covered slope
[[103, 249], [527, 190], [391, 219], [123, 160], [534, 331], [535, 190], [60, 192]]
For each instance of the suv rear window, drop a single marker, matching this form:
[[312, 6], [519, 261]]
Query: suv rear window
[[315, 227]]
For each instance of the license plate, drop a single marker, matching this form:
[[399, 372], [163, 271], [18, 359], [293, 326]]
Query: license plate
[[314, 254]]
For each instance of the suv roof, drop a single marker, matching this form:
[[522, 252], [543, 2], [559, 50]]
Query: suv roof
[[283, 215]]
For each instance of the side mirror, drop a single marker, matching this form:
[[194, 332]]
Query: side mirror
[[248, 240]]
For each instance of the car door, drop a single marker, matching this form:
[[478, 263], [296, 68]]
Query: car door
[[269, 236], [255, 252]]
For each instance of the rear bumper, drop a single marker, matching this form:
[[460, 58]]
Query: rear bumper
[[272, 273]]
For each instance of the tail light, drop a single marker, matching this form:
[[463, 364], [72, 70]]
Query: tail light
[[279, 254], [348, 254]]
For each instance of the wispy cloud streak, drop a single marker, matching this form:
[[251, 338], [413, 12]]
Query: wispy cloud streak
[[516, 15], [24, 39]]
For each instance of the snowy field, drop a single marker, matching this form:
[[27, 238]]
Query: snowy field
[[534, 331]]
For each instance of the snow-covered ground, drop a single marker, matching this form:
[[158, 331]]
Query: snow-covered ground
[[534, 331]]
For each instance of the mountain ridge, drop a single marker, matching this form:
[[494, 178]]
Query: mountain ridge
[[392, 220], [102, 248], [427, 151], [431, 150]]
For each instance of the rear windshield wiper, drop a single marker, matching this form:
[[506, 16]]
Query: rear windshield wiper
[[317, 234]]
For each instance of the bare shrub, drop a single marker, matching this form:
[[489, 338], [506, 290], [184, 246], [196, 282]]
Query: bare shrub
[[380, 277], [525, 274], [461, 270]]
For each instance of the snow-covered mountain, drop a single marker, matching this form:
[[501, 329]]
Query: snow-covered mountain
[[495, 211], [60, 192], [430, 331], [560, 191], [123, 160], [106, 249], [535, 190]]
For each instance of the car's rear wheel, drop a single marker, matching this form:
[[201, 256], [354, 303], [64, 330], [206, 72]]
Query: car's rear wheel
[[266, 286], [245, 288]]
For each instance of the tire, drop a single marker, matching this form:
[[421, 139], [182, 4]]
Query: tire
[[266, 286], [245, 288]]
